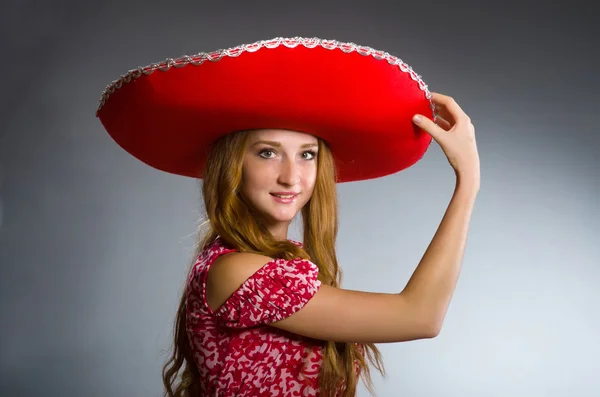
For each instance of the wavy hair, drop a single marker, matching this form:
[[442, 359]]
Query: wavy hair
[[231, 217]]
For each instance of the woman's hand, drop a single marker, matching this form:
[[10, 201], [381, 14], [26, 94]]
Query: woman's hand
[[455, 133]]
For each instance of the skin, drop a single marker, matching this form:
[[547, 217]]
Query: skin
[[343, 315], [270, 168]]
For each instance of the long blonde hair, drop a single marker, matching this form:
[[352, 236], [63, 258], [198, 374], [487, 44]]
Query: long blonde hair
[[236, 222]]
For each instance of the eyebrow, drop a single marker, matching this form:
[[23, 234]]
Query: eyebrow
[[277, 144]]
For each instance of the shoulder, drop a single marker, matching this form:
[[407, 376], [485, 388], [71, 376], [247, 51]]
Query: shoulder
[[228, 273], [235, 266], [232, 269], [247, 273]]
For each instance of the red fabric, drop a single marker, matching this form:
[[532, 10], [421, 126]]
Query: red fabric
[[236, 352], [360, 105]]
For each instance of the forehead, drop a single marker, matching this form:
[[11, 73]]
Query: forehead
[[285, 137]]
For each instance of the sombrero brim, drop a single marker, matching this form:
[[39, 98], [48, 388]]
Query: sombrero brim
[[359, 100]]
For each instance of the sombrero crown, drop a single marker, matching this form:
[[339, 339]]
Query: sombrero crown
[[359, 100]]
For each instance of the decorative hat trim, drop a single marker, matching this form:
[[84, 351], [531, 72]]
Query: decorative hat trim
[[233, 52]]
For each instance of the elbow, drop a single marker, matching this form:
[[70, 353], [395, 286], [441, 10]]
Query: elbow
[[430, 334], [434, 329], [433, 333]]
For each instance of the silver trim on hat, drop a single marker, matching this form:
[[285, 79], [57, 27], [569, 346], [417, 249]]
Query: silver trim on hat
[[215, 56]]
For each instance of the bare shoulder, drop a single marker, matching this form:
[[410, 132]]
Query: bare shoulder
[[228, 272], [335, 314]]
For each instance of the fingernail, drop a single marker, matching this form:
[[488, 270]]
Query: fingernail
[[417, 119]]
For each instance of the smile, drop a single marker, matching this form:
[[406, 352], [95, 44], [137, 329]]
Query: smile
[[284, 199]]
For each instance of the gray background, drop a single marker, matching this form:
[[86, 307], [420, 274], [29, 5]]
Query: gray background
[[94, 245]]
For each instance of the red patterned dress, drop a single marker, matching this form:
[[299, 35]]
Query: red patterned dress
[[236, 352]]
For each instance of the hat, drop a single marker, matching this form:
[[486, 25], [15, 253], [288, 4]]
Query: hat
[[357, 99]]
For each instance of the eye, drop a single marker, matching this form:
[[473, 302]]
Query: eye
[[312, 153], [265, 151]]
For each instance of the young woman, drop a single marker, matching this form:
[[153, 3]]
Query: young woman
[[270, 128]]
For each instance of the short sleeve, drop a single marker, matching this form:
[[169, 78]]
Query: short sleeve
[[277, 290]]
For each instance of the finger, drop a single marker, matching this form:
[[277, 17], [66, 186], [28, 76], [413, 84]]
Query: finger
[[429, 126], [449, 105], [442, 112], [443, 123]]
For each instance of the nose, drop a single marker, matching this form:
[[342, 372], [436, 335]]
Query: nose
[[289, 172]]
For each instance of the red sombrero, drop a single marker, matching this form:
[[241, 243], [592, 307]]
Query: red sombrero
[[359, 100]]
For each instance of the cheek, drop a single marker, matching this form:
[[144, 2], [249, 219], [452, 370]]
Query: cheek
[[310, 177], [314, 169], [257, 177]]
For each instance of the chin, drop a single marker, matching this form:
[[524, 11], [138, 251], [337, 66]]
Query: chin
[[280, 214], [282, 217]]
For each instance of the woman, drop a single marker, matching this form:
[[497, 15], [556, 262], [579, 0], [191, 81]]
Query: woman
[[271, 128]]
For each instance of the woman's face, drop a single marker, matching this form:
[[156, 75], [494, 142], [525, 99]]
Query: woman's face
[[279, 161]]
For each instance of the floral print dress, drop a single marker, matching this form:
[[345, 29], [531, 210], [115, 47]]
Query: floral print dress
[[236, 352]]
